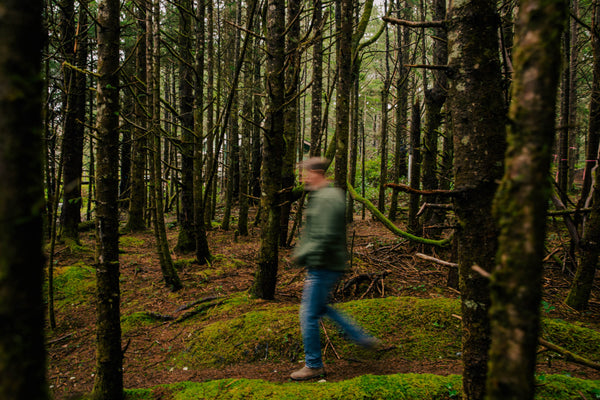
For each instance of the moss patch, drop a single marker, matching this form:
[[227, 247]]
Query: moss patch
[[74, 284], [401, 386], [130, 241], [416, 329], [136, 320]]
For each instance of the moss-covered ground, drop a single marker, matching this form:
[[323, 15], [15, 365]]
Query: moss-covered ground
[[211, 340]]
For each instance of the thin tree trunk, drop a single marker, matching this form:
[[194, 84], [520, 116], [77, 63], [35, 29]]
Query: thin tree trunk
[[344, 87], [108, 383], [257, 118], [23, 360], [415, 168], [202, 249], [564, 123], [384, 124], [266, 274], [521, 202], [477, 114], [290, 115], [593, 134], [186, 241], [317, 82], [166, 263], [137, 195], [210, 111]]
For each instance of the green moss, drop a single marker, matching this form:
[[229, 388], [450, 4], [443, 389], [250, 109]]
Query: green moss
[[401, 387], [578, 339], [74, 284], [135, 321], [130, 241], [418, 329]]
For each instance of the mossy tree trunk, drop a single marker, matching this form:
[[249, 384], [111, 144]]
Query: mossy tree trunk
[[186, 241], [415, 168], [521, 202], [73, 102], [316, 107], [564, 126], [153, 68], [202, 248], [401, 131], [593, 135], [257, 118], [266, 274], [23, 356], [210, 109], [383, 144], [108, 383], [581, 287], [344, 87], [434, 101], [138, 193], [477, 117], [290, 115]]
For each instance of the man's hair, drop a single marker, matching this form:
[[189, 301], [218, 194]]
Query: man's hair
[[317, 164]]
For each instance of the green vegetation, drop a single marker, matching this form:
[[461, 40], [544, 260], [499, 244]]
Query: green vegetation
[[130, 241], [74, 284], [401, 386], [416, 329]]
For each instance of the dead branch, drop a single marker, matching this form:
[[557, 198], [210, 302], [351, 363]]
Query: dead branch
[[408, 189], [437, 260], [481, 271], [59, 339], [196, 302], [329, 340], [415, 24], [570, 356], [198, 310], [433, 205]]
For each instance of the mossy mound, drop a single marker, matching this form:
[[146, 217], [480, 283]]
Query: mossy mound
[[416, 328], [411, 328], [74, 284], [401, 387]]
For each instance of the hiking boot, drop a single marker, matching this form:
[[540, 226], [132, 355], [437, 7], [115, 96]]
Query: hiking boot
[[305, 373]]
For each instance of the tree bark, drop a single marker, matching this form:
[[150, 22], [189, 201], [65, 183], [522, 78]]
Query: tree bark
[[290, 114], [108, 383], [477, 117], [344, 87], [138, 193], [415, 168], [521, 202], [23, 360], [316, 107], [186, 240], [384, 126], [266, 274]]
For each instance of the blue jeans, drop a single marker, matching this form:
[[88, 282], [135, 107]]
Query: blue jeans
[[317, 287]]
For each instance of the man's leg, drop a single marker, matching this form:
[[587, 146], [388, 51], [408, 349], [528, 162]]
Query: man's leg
[[314, 301]]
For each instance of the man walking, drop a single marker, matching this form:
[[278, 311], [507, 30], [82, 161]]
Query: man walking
[[322, 250]]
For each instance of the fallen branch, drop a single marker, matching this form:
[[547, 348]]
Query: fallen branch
[[329, 340], [198, 310], [377, 214], [405, 188], [432, 205], [437, 260], [196, 302], [59, 339], [570, 356], [415, 24]]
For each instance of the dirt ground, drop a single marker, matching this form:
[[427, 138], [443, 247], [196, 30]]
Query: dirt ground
[[71, 349]]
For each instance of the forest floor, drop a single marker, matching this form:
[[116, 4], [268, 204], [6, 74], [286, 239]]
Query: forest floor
[[148, 354]]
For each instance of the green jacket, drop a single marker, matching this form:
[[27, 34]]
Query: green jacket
[[323, 241]]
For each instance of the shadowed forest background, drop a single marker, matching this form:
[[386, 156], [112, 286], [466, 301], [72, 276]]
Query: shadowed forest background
[[151, 196]]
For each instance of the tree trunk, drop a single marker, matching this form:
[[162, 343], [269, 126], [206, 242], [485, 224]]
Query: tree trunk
[[186, 241], [477, 116], [593, 135], [137, 195], [257, 118], [290, 115], [202, 249], [344, 87], [564, 123], [521, 202], [108, 383], [23, 360], [384, 125], [400, 167], [266, 274], [434, 101], [210, 111], [573, 152], [72, 144], [316, 107], [153, 66], [415, 168]]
